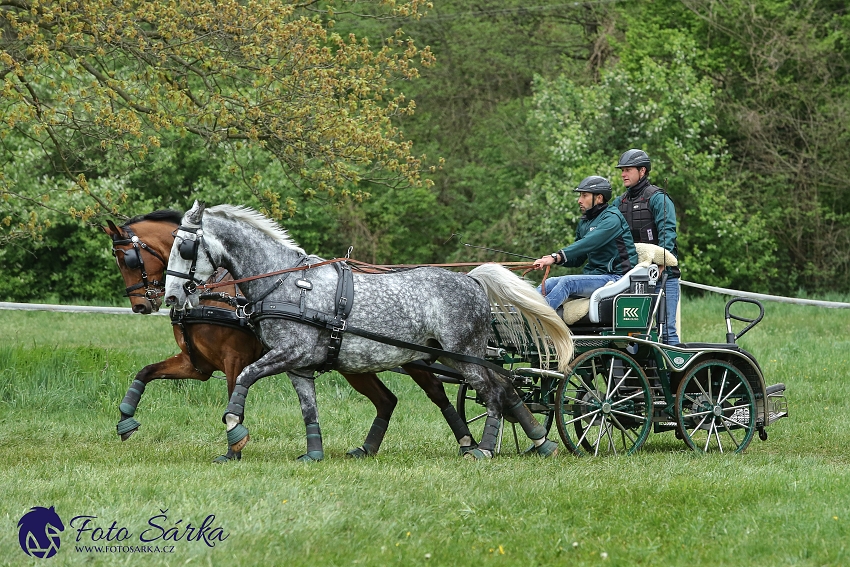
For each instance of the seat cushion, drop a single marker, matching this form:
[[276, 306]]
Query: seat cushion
[[575, 309]]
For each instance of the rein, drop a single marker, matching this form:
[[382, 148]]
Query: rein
[[336, 322], [270, 274], [371, 268]]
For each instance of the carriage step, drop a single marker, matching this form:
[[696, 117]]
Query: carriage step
[[775, 416], [775, 389]]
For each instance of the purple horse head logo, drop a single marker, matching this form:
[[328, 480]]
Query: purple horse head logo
[[39, 532]]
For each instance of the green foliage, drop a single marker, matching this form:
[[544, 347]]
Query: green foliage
[[666, 107], [742, 106], [783, 69]]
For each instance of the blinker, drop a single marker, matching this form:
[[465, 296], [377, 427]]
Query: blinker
[[188, 249], [132, 259]]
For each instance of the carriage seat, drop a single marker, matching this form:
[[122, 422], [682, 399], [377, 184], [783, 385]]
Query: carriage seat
[[650, 257]]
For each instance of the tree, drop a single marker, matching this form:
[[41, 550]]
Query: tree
[[665, 106], [783, 71], [86, 82]]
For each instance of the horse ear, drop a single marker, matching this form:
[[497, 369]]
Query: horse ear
[[111, 229], [194, 214]]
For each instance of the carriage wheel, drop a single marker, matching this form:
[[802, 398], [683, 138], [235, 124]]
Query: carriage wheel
[[538, 396], [715, 408], [604, 404]]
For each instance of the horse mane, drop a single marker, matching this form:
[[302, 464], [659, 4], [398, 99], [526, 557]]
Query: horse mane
[[166, 215], [258, 221]]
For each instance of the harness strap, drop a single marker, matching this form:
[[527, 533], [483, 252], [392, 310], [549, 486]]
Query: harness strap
[[344, 301], [292, 312], [177, 318], [203, 314], [207, 314]]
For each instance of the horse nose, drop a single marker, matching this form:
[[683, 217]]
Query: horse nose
[[171, 301], [144, 309]]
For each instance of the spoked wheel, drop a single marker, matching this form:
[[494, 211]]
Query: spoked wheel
[[538, 395], [604, 404], [715, 408]]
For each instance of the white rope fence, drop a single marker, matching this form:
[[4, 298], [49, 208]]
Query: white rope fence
[[71, 308], [765, 297], [721, 290]]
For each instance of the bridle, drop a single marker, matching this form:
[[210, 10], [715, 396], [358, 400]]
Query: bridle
[[133, 260], [188, 250]]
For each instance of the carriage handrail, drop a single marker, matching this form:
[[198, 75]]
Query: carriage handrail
[[731, 337]]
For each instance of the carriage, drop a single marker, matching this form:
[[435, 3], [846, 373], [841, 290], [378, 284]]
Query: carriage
[[623, 384]]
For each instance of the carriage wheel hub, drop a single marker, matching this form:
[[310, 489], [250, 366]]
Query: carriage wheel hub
[[717, 411], [606, 407]]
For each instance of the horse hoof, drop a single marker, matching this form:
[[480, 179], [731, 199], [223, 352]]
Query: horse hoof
[[237, 447], [238, 437], [358, 453], [127, 427], [464, 449], [311, 457], [547, 449], [477, 454]]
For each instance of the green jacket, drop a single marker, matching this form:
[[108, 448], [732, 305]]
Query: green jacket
[[604, 240]]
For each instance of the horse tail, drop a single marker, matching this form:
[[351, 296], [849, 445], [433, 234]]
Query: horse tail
[[509, 294]]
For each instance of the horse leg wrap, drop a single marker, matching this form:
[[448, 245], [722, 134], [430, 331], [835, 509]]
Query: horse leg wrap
[[131, 398], [314, 444], [529, 423], [487, 446], [373, 439], [127, 425], [237, 402], [459, 428]]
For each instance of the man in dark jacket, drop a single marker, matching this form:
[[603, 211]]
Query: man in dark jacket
[[603, 240], [652, 219]]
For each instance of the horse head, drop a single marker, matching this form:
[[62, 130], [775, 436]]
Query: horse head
[[189, 262], [140, 248]]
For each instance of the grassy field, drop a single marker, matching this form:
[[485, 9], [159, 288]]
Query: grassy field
[[785, 501]]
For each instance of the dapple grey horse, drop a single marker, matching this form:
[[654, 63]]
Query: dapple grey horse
[[429, 307]]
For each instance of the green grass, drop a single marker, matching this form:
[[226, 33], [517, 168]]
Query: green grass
[[784, 502]]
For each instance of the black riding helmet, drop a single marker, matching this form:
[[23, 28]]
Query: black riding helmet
[[596, 185], [635, 158]]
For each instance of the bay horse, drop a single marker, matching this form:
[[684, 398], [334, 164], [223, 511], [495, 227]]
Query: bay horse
[[302, 319], [141, 246]]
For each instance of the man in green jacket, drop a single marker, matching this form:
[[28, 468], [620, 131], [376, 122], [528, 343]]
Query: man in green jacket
[[652, 219], [603, 240]]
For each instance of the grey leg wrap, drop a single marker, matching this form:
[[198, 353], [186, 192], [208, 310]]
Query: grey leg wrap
[[237, 402], [375, 436], [459, 427], [314, 444], [127, 425], [529, 423], [491, 433], [131, 398]]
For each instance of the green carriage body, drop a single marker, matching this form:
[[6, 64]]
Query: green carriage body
[[623, 384]]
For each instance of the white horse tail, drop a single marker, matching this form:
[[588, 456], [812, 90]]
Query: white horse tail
[[509, 294]]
